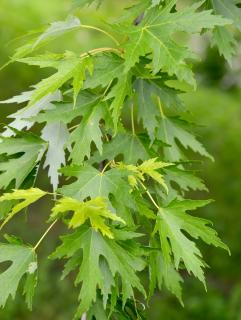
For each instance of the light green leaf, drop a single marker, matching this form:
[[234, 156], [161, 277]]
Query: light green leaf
[[27, 196], [96, 210]]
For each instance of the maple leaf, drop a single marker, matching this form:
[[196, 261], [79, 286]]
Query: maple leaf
[[107, 68], [93, 183], [24, 261], [23, 118], [147, 94], [57, 29], [118, 94], [148, 167], [87, 131], [154, 35], [27, 196], [171, 222], [52, 32], [68, 65], [162, 272], [96, 210], [131, 147], [222, 37], [25, 153], [56, 134], [95, 271], [172, 129], [65, 112], [185, 179]]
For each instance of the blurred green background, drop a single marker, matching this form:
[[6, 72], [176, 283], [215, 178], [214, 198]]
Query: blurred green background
[[216, 107]]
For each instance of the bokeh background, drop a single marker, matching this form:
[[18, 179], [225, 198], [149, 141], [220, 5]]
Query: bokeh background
[[216, 107]]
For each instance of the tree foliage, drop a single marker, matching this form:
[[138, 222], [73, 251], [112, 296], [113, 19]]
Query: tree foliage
[[113, 122]]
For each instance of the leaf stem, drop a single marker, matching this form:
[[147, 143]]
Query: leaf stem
[[149, 195], [44, 235], [100, 50], [100, 30], [132, 120], [106, 166]]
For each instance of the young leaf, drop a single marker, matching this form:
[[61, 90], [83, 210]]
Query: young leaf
[[149, 168], [24, 261], [96, 210], [27, 196]]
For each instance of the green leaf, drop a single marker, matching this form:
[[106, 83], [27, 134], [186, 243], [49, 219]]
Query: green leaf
[[88, 131], [185, 179], [52, 32], [24, 153], [96, 210], [24, 261], [57, 29], [172, 221], [23, 118], [131, 147], [147, 94], [173, 129], [162, 273], [228, 9], [102, 260], [27, 196], [154, 35], [65, 112], [222, 37], [69, 66], [118, 94], [93, 183], [107, 68], [56, 134]]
